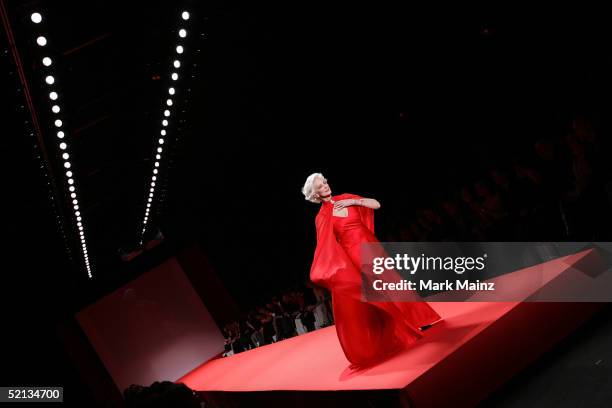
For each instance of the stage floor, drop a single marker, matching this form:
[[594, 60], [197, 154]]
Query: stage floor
[[314, 361], [508, 335]]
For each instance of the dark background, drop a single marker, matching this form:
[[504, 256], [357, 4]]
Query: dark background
[[405, 105]]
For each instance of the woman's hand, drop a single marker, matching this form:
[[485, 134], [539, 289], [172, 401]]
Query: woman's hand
[[339, 205]]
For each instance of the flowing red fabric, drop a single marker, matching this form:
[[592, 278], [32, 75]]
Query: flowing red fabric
[[368, 332]]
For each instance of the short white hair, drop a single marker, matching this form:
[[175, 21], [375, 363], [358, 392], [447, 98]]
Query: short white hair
[[308, 190]]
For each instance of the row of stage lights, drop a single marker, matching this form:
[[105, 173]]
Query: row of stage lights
[[62, 141], [167, 112]]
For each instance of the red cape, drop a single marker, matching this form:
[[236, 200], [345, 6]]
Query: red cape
[[331, 266]]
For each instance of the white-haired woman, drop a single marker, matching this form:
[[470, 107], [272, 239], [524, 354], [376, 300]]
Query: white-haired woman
[[368, 331]]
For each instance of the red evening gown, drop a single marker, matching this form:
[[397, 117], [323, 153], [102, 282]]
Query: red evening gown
[[368, 332]]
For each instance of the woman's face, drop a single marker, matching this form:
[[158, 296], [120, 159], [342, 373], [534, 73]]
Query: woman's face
[[321, 187]]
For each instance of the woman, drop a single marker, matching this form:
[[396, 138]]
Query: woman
[[368, 332]]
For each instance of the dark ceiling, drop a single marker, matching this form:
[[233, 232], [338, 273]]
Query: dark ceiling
[[402, 104]]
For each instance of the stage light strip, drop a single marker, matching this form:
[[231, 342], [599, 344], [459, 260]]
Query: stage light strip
[[62, 140], [167, 113]]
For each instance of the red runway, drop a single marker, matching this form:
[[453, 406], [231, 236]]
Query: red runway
[[477, 347]]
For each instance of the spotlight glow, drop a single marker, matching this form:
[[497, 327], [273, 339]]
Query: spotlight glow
[[174, 76], [53, 96], [55, 109], [47, 61], [166, 113], [177, 64], [42, 41], [171, 91], [65, 156], [58, 123], [67, 165], [63, 146], [164, 122], [36, 18], [60, 134], [169, 102], [182, 33], [179, 49], [50, 80], [163, 132], [185, 15]]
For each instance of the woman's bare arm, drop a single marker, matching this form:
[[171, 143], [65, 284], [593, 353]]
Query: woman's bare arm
[[364, 202]]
